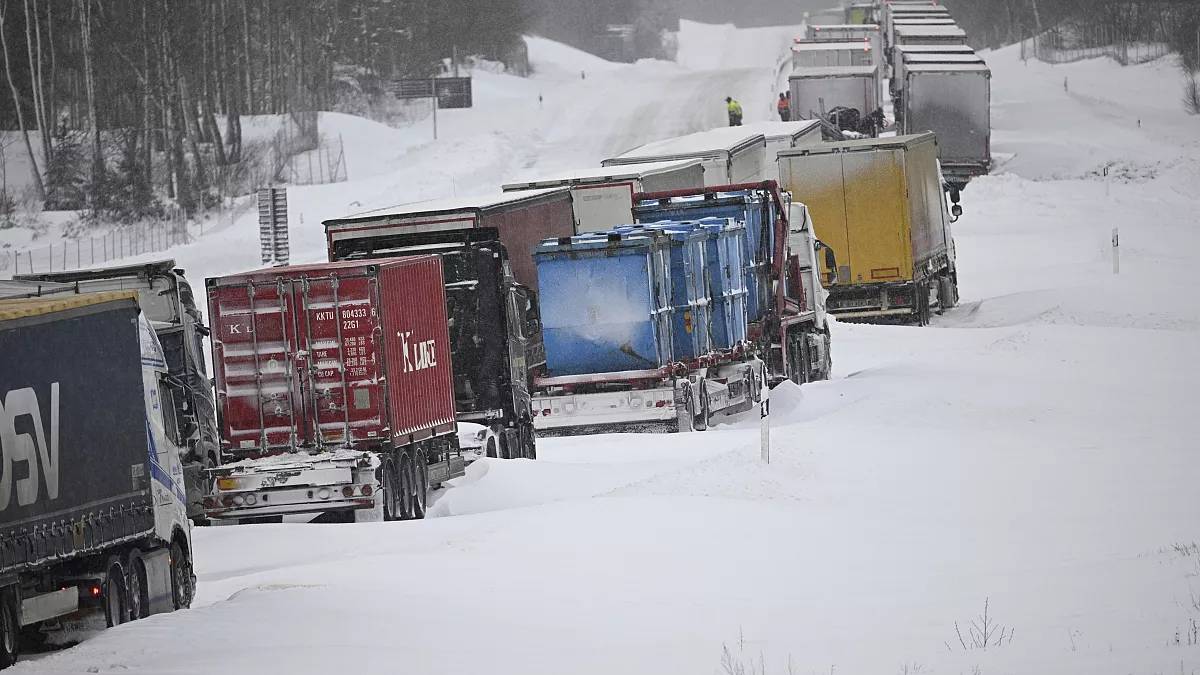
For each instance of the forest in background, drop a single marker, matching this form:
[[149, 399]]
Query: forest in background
[[139, 101]]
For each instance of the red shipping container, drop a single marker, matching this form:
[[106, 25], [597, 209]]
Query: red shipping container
[[523, 219], [313, 355]]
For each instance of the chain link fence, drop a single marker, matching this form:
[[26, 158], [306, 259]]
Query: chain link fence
[[1128, 32]]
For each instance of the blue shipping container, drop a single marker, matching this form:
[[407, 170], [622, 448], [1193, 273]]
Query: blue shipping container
[[691, 321], [600, 311], [754, 209], [727, 280]]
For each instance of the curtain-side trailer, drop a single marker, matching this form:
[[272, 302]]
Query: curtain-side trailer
[[93, 516]]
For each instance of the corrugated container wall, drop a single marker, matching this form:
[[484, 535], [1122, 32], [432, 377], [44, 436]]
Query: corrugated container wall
[[332, 354]]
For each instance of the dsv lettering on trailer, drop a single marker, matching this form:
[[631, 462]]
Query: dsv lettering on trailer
[[37, 450], [417, 355]]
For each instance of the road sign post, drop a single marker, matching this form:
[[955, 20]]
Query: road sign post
[[764, 416], [273, 226]]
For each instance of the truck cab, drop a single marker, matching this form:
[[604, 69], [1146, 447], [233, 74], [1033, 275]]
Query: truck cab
[[495, 329], [169, 305]]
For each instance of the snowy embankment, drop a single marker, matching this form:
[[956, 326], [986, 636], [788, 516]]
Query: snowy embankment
[[1031, 450]]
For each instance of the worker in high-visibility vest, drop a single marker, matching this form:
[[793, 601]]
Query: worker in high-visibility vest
[[784, 108], [735, 111]]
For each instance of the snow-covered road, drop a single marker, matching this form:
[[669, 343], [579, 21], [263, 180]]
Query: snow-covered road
[[1032, 450]]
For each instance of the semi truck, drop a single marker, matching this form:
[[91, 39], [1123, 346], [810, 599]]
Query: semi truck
[[167, 301], [848, 33], [880, 203], [335, 393], [900, 52], [905, 59], [602, 197], [670, 322], [954, 101], [928, 35], [729, 155], [522, 218], [92, 509], [822, 54], [495, 333], [817, 91]]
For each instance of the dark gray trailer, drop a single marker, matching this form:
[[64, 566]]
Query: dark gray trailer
[[953, 101]]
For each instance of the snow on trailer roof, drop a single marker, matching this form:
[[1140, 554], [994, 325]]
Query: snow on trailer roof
[[930, 31], [846, 26], [953, 57], [934, 49], [906, 141], [833, 71], [924, 21], [918, 9], [779, 130], [699, 144], [811, 46], [948, 68], [448, 205], [599, 174]]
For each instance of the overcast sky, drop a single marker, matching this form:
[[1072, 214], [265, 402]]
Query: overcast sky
[[751, 12]]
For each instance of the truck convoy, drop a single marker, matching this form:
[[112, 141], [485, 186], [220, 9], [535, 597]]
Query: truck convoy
[[167, 301], [92, 512], [602, 197], [879, 203], [683, 316], [730, 155], [334, 388], [940, 84]]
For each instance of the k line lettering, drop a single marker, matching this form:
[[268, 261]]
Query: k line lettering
[[417, 355]]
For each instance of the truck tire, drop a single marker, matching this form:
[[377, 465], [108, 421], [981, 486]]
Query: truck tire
[[407, 489], [685, 415], [700, 422], [136, 582], [116, 605], [391, 489], [10, 629], [528, 441], [182, 589], [420, 485]]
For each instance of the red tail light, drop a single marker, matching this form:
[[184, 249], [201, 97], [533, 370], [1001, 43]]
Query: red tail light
[[546, 412], [660, 404], [348, 491], [366, 490]]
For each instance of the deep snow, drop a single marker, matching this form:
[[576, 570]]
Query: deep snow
[[1031, 449]]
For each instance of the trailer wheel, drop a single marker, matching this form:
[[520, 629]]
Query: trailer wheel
[[139, 591], [528, 441], [700, 422], [181, 577], [685, 416], [391, 490], [10, 629], [407, 481], [492, 447], [420, 485], [116, 607]]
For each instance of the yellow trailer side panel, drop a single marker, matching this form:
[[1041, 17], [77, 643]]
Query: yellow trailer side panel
[[876, 196], [817, 183]]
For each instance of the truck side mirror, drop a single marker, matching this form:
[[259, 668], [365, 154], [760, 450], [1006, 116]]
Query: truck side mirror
[[955, 195], [831, 264], [956, 211]]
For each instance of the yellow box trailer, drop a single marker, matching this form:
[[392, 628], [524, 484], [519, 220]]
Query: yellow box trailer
[[879, 204]]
